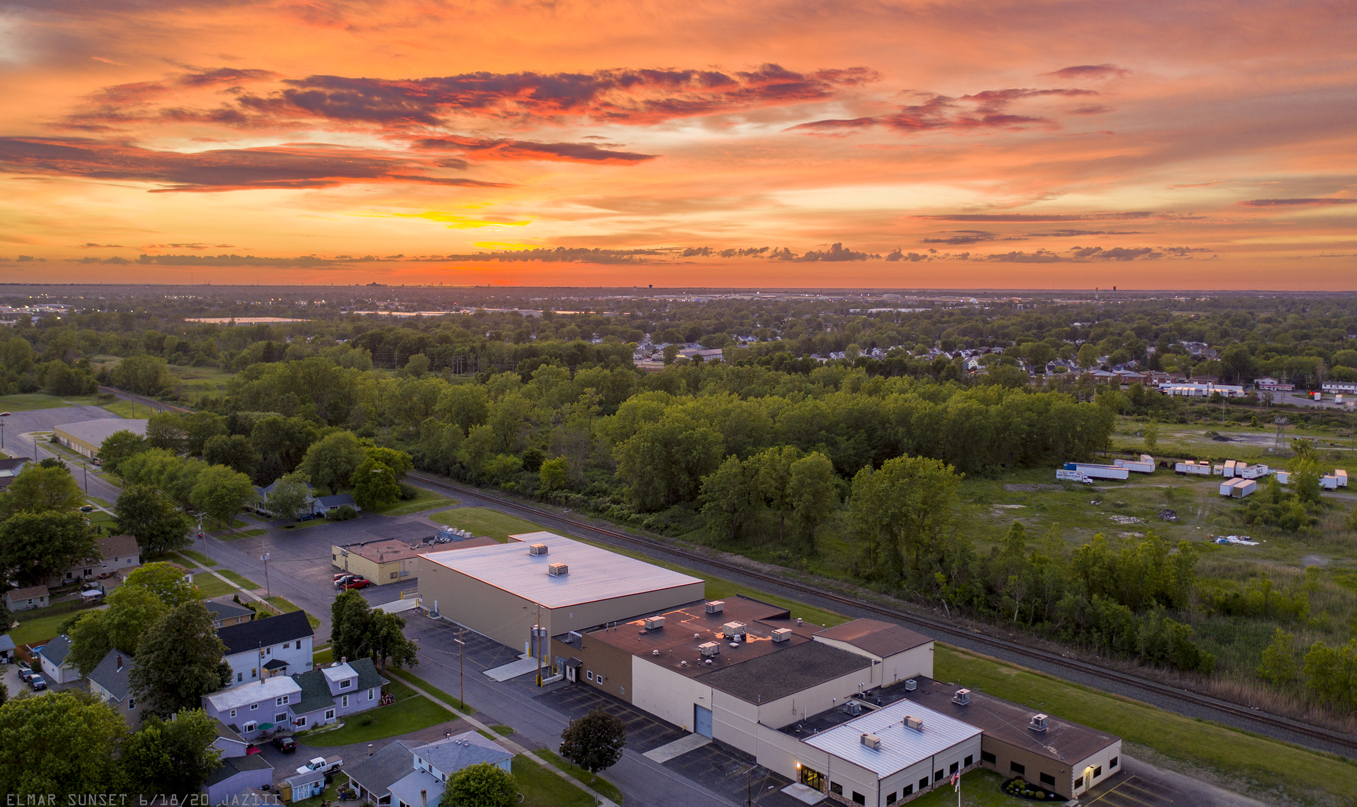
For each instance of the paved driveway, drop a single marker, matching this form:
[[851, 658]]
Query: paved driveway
[[1144, 785]]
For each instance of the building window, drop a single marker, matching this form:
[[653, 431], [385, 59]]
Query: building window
[[890, 797], [986, 756], [954, 767], [937, 775], [1017, 767], [233, 713], [589, 674], [908, 791], [969, 760], [281, 717], [622, 690], [858, 798], [254, 706], [395, 575], [345, 704], [923, 784], [346, 683], [250, 726], [131, 704], [836, 788], [240, 677], [370, 691], [254, 672], [301, 722], [285, 697], [1112, 766], [1047, 779], [1098, 771], [329, 714]]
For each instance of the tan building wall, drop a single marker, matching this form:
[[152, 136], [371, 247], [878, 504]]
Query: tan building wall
[[381, 574], [75, 443], [605, 667], [1033, 766], [1097, 767]]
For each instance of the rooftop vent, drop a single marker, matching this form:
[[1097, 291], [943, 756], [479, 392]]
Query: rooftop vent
[[709, 648], [911, 685], [654, 622], [782, 634], [734, 630], [537, 549], [962, 697], [872, 741], [558, 570], [1038, 722], [912, 722], [716, 606], [654, 652], [573, 636]]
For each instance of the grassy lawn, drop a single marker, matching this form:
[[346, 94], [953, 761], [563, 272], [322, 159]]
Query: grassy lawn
[[130, 409], [979, 788], [100, 502], [27, 402], [425, 500], [302, 525], [410, 712], [542, 788], [40, 625], [1260, 765], [101, 519], [195, 382], [287, 607], [239, 579], [212, 586], [598, 783], [326, 656], [411, 678], [197, 557], [483, 521]]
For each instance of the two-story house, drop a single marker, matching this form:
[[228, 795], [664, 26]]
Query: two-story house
[[117, 554], [256, 709], [263, 648], [110, 682], [330, 693], [405, 774]]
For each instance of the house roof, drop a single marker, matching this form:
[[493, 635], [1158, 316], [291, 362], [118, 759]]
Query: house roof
[[409, 787], [225, 732], [118, 546], [112, 674], [12, 463], [337, 500], [226, 610], [315, 693], [95, 432], [450, 755], [901, 746], [56, 650], [873, 636], [270, 487], [303, 779], [595, 574], [6, 643], [275, 664], [380, 771], [265, 632], [368, 676], [230, 766], [254, 692], [32, 592], [777, 675]]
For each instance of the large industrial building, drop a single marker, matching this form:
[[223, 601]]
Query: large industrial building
[[850, 711], [88, 436], [502, 591]]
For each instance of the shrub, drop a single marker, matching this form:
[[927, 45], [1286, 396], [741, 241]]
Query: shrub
[[342, 513]]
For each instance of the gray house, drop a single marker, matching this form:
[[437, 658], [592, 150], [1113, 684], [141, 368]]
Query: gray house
[[330, 693], [324, 504], [53, 658], [109, 682], [236, 774], [411, 775], [26, 599]]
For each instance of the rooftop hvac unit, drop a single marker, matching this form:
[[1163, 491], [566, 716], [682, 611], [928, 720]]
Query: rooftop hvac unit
[[912, 722], [654, 622], [558, 570], [716, 606], [962, 697], [872, 741], [573, 636], [782, 634], [852, 708], [537, 549], [733, 630], [709, 648], [911, 685], [1038, 722]]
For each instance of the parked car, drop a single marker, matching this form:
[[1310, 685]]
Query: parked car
[[285, 744], [87, 508], [342, 580], [37, 682], [357, 582], [307, 517], [25, 672], [98, 463], [253, 749], [323, 764]]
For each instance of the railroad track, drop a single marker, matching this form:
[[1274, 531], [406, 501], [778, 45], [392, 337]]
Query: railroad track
[[143, 400], [937, 628]]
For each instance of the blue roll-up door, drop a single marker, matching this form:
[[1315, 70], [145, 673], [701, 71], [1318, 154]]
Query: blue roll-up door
[[701, 720]]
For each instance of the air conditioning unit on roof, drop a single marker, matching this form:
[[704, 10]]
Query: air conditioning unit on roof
[[654, 622], [962, 697], [782, 635], [911, 685], [734, 630], [1038, 722], [872, 741], [709, 648], [558, 570], [912, 722], [537, 549], [716, 606]]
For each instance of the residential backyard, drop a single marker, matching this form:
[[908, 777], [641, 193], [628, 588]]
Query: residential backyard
[[410, 712]]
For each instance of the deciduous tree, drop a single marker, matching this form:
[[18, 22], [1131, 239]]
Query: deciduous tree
[[374, 484], [118, 446], [221, 492], [130, 613], [730, 499], [179, 659], [331, 462], [172, 757], [235, 452], [165, 582], [813, 495], [157, 523], [594, 742], [290, 496], [35, 546], [41, 489], [66, 744], [481, 785]]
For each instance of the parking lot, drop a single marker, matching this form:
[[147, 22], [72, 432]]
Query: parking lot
[[644, 733], [1143, 785]]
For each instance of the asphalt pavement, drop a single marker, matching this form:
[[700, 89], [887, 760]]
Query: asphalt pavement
[[19, 442]]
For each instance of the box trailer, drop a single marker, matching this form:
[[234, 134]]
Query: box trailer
[[1230, 469], [1226, 488], [1144, 465], [1319, 396], [1283, 477], [1095, 471], [1218, 470], [1193, 468], [1252, 471], [1342, 476], [1328, 482], [1242, 488], [1072, 476]]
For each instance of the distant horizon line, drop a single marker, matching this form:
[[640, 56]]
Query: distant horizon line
[[703, 289]]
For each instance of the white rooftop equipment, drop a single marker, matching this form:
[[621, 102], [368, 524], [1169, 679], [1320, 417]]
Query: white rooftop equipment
[[709, 648], [871, 741], [962, 697], [1038, 722], [733, 630], [782, 635], [654, 622], [901, 747], [558, 570], [537, 549], [716, 606]]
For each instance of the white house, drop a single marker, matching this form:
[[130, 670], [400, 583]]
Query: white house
[[109, 681], [264, 648], [26, 599], [408, 775], [118, 554], [255, 709], [55, 666], [324, 504]]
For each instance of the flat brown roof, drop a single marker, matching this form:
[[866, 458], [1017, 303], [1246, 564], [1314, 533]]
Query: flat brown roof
[[873, 636], [384, 551], [1006, 722]]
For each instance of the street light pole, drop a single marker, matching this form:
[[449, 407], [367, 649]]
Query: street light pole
[[461, 685], [268, 592]]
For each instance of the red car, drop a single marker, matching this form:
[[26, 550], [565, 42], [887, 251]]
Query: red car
[[357, 582]]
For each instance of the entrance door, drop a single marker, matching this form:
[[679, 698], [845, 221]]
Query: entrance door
[[812, 778], [701, 720]]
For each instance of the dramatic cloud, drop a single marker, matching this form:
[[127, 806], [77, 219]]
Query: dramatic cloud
[[963, 237], [225, 76], [631, 97], [282, 167], [987, 110], [1088, 71], [1319, 202], [485, 149], [1041, 217]]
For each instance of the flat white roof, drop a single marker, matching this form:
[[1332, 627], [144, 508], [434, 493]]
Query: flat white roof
[[594, 574], [254, 692], [96, 432], [901, 746]]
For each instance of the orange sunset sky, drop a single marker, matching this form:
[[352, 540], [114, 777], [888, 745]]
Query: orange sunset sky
[[1027, 144]]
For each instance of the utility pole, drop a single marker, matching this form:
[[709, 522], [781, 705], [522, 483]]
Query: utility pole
[[2, 429], [202, 535], [461, 685], [537, 638], [268, 592]]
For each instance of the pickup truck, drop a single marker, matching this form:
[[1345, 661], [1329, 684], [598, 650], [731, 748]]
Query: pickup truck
[[322, 764]]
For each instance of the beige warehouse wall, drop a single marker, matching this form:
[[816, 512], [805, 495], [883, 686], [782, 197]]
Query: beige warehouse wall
[[667, 694], [813, 700]]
